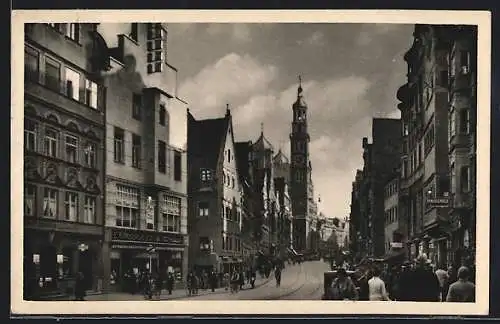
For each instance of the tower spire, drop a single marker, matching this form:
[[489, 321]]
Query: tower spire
[[261, 128], [299, 90]]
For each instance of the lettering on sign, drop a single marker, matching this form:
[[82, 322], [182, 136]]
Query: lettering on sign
[[138, 236]]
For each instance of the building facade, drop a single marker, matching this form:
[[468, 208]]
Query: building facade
[[462, 110], [215, 195], [63, 158], [358, 225], [146, 158], [391, 211], [427, 126], [265, 203], [381, 158], [300, 173], [282, 193]]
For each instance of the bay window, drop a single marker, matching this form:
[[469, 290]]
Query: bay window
[[127, 206], [172, 215]]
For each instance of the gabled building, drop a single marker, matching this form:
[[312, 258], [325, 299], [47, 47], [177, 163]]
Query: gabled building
[[265, 201], [64, 132], [146, 157], [282, 191], [215, 195]]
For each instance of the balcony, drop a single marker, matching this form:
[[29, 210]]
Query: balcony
[[54, 91]]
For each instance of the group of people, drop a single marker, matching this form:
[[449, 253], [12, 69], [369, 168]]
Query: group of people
[[417, 281]]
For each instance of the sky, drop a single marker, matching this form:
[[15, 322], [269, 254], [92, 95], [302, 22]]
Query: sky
[[350, 74]]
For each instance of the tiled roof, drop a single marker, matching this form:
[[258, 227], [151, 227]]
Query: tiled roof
[[206, 137]]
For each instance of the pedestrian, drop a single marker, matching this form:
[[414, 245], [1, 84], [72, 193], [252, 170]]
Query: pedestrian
[[376, 287], [235, 281], [342, 287], [242, 279], [80, 287], [213, 279], [442, 276], [404, 282], [277, 275], [170, 282], [424, 284], [227, 280], [364, 290], [462, 290]]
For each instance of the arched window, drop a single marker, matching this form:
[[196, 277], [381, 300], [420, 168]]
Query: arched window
[[53, 118]]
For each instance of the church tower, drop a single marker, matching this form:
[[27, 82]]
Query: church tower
[[300, 171]]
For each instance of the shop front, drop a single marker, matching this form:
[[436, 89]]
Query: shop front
[[53, 258], [230, 263], [132, 252]]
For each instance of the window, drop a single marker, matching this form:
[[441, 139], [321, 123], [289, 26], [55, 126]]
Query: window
[[177, 166], [127, 206], [50, 142], [429, 139], [232, 182], [465, 179], [203, 209], [52, 74], [89, 208], [452, 125], [162, 113], [71, 204], [31, 65], [72, 84], [73, 31], [464, 121], [204, 244], [91, 93], [156, 47], [136, 151], [228, 213], [29, 200], [172, 218], [134, 31], [136, 106], [453, 180], [443, 78], [119, 142], [228, 156], [30, 129], [224, 241], [50, 202], [162, 163], [205, 175], [71, 149], [464, 60], [90, 155]]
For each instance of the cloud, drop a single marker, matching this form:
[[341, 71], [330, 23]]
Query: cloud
[[238, 32], [370, 32], [241, 32], [316, 39], [232, 77]]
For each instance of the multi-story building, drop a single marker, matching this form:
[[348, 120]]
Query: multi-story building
[[381, 158], [357, 224], [462, 142], [251, 228], [431, 113], [391, 211], [342, 232], [282, 189], [146, 157], [265, 204], [63, 157], [300, 171], [215, 195]]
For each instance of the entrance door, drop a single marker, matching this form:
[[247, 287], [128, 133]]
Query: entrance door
[[85, 264]]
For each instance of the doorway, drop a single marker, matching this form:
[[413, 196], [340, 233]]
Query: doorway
[[85, 263]]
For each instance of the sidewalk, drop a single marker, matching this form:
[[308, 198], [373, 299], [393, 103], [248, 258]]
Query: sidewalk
[[176, 294]]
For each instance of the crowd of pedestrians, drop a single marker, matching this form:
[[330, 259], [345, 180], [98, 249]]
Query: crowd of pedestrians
[[410, 281]]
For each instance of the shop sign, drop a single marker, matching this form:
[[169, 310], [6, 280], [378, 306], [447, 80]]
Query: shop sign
[[441, 202], [148, 237], [397, 245]]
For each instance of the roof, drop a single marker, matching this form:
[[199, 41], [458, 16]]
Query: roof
[[206, 137], [281, 157], [262, 143], [242, 151]]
